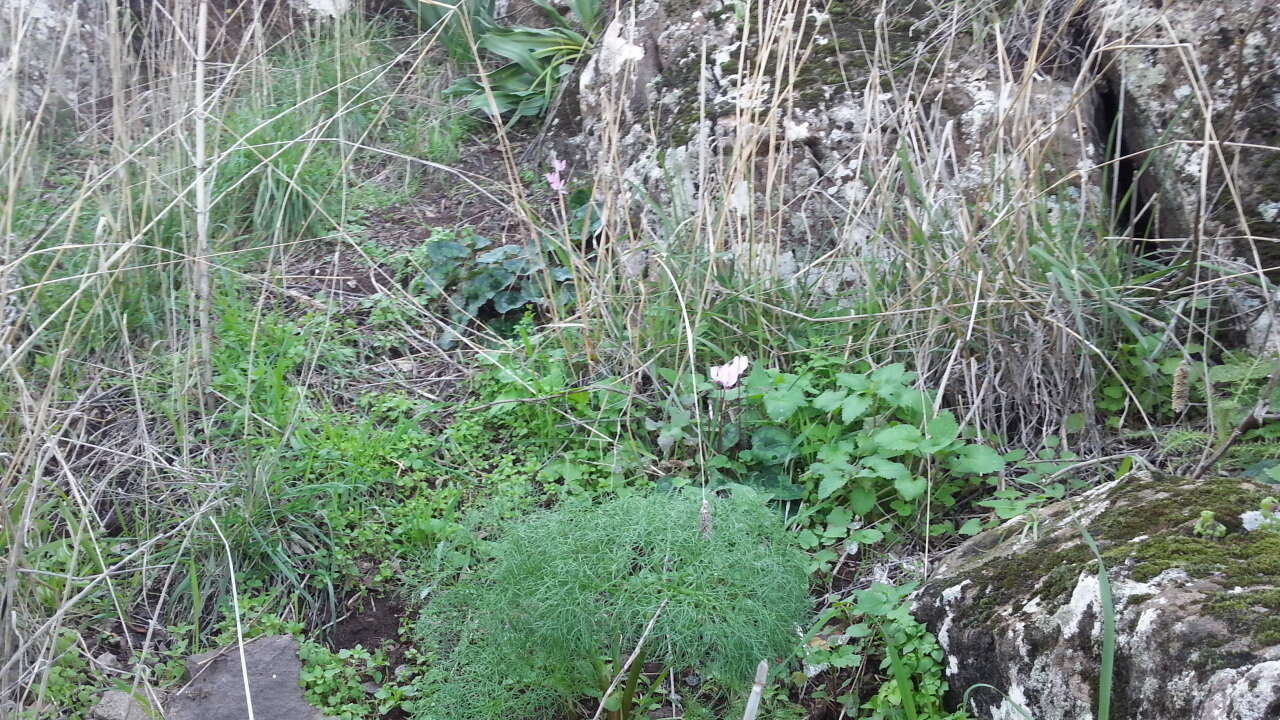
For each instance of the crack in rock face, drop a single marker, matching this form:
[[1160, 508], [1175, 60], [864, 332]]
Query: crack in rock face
[[686, 93]]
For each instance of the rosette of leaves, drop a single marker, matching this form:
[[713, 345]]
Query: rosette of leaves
[[470, 276], [449, 18], [542, 629], [538, 59]]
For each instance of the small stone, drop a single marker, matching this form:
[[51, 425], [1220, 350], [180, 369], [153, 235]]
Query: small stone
[[118, 705], [216, 690], [107, 660]]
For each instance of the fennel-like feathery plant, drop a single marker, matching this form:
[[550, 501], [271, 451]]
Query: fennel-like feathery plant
[[569, 593]]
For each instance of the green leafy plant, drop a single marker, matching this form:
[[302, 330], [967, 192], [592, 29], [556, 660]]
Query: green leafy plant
[[456, 22], [877, 623], [1208, 527], [1145, 368], [336, 682], [538, 60], [468, 274], [1269, 510], [570, 594], [847, 444]]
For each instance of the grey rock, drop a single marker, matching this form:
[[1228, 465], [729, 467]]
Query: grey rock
[[107, 660], [1185, 66], [1018, 608], [216, 688], [60, 50], [119, 705]]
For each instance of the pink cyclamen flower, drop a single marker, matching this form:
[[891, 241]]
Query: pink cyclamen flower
[[555, 181], [555, 178], [727, 375]]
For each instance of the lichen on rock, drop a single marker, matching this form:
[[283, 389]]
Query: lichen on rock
[[1018, 607]]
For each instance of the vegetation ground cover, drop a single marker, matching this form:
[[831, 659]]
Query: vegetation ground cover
[[495, 399]]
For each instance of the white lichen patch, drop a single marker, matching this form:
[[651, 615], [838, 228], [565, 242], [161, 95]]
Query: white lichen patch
[[1269, 211], [1084, 599], [616, 51], [794, 131], [1243, 694]]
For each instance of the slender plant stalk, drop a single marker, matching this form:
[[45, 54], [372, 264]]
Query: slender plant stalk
[[200, 271], [638, 652], [757, 691]]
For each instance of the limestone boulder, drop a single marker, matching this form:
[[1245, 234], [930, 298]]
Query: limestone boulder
[[793, 113], [1200, 84], [1018, 609], [54, 55], [1161, 113]]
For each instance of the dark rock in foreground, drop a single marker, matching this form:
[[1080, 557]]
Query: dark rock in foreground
[[216, 690]]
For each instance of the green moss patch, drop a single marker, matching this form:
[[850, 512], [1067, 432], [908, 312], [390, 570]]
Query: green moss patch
[[1146, 531], [1255, 613]]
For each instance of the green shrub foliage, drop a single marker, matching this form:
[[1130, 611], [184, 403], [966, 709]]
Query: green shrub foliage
[[542, 628]]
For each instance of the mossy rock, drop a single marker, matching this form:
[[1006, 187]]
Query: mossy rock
[[1018, 607]]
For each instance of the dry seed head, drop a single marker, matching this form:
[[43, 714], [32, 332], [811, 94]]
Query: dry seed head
[[1180, 387], [704, 519]]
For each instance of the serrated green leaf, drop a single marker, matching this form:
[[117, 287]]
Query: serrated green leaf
[[829, 400], [940, 432], [830, 485], [882, 468], [853, 408], [781, 403], [909, 487], [866, 536], [838, 522], [862, 500], [911, 399], [856, 382], [971, 527], [890, 375], [976, 460], [897, 439]]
